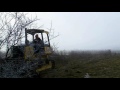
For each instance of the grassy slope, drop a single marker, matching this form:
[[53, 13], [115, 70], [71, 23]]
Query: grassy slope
[[97, 67]]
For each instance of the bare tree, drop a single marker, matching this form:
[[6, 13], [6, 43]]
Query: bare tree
[[53, 36], [12, 26]]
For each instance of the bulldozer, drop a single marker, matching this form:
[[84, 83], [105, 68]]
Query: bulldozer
[[40, 57]]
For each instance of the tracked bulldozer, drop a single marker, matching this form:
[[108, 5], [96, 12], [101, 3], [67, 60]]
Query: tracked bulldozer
[[32, 57]]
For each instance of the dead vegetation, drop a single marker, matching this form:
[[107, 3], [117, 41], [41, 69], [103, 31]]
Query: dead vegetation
[[100, 64], [12, 25]]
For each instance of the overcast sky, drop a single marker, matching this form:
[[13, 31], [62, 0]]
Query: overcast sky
[[83, 30]]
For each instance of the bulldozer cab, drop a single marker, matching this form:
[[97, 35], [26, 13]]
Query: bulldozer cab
[[35, 48], [42, 34]]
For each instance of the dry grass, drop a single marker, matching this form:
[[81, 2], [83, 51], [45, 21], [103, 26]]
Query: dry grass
[[102, 65], [77, 64]]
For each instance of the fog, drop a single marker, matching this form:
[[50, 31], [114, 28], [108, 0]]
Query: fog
[[83, 30]]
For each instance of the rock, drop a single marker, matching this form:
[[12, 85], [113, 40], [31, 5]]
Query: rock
[[87, 75]]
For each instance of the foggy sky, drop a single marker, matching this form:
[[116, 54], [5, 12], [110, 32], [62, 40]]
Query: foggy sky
[[83, 30]]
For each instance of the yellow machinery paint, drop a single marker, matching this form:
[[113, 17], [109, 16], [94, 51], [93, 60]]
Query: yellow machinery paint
[[29, 50], [29, 55]]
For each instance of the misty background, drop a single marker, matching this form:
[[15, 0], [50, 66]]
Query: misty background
[[82, 30], [80, 33]]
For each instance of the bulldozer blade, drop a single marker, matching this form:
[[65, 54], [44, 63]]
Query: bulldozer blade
[[44, 67]]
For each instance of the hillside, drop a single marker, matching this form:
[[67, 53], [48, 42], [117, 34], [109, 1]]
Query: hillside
[[96, 65], [77, 64]]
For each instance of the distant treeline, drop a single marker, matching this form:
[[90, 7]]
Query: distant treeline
[[64, 52], [79, 53]]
